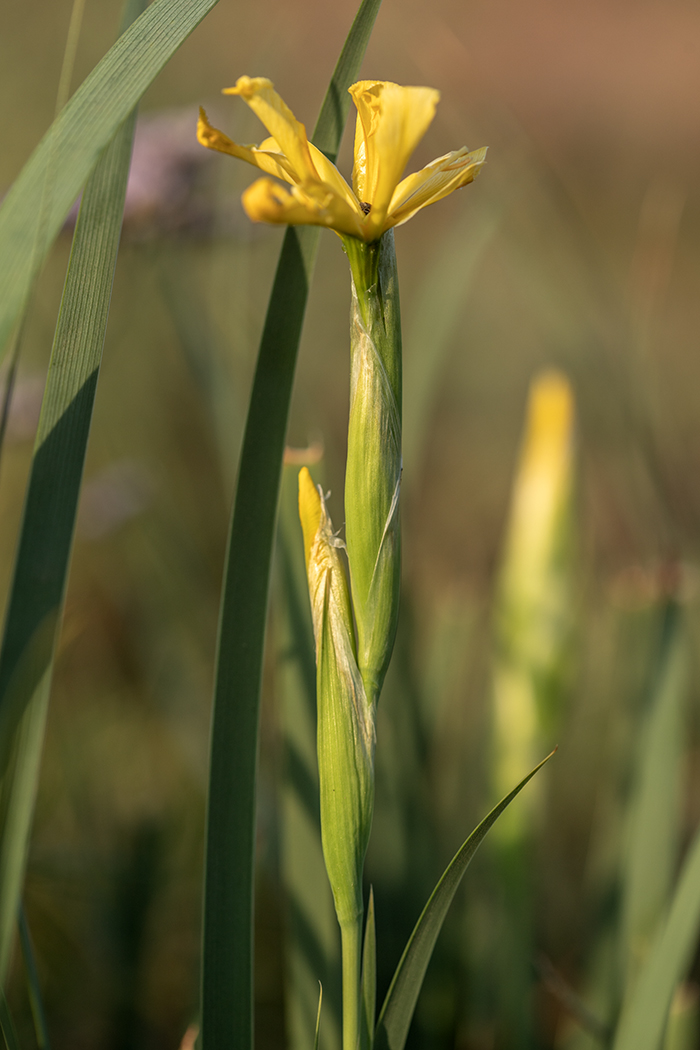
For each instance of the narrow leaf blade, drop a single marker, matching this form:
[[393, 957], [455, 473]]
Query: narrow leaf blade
[[9, 1032], [46, 536], [651, 858], [29, 219], [318, 1015], [400, 1003], [369, 978], [36, 1000], [644, 1018]]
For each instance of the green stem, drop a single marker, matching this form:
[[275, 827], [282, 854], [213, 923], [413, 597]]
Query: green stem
[[373, 475], [351, 942]]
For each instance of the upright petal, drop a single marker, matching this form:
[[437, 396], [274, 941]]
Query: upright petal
[[279, 120], [435, 181], [394, 120]]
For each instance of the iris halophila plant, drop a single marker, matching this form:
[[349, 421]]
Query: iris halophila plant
[[354, 621]]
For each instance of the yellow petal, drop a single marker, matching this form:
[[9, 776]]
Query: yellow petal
[[271, 161], [393, 120], [309, 511], [312, 205], [437, 180], [332, 177], [279, 120]]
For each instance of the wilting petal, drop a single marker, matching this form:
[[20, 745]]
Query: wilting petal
[[312, 205], [437, 180], [271, 161], [393, 120], [279, 120]]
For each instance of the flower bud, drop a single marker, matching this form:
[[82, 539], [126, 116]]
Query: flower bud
[[533, 613], [345, 738]]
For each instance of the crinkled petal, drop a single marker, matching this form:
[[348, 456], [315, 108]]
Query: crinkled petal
[[279, 120], [314, 204], [437, 180], [270, 160], [394, 120]]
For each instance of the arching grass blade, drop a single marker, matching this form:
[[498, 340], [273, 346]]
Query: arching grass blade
[[397, 1011]]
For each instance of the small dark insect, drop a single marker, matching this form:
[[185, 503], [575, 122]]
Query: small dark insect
[[366, 208]]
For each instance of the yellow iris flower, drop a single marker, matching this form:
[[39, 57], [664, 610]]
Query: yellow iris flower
[[391, 121]]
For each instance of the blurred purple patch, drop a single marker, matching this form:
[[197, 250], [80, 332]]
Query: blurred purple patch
[[114, 496], [167, 188]]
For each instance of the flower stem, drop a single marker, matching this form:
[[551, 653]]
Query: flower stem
[[373, 473]]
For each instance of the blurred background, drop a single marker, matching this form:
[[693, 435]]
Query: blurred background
[[578, 249]]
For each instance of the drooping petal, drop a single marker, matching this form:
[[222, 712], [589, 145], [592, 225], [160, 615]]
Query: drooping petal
[[437, 180], [311, 205], [269, 160], [393, 120], [279, 120]]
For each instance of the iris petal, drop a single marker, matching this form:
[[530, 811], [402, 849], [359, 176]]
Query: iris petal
[[437, 180], [279, 120], [394, 119], [312, 205], [269, 161]]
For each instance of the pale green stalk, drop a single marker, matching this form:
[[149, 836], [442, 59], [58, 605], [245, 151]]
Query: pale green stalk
[[373, 473]]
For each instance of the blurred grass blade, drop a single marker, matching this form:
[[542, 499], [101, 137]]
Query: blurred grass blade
[[36, 1001], [683, 1026], [227, 988], [318, 1015], [41, 566], [312, 941], [70, 148], [645, 1015], [400, 1003], [431, 323], [651, 859], [369, 978], [9, 1032]]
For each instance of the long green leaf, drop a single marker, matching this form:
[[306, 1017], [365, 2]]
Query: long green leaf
[[651, 858], [227, 985], [45, 542], [36, 1000], [644, 1017], [397, 1011], [9, 1032], [29, 219]]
